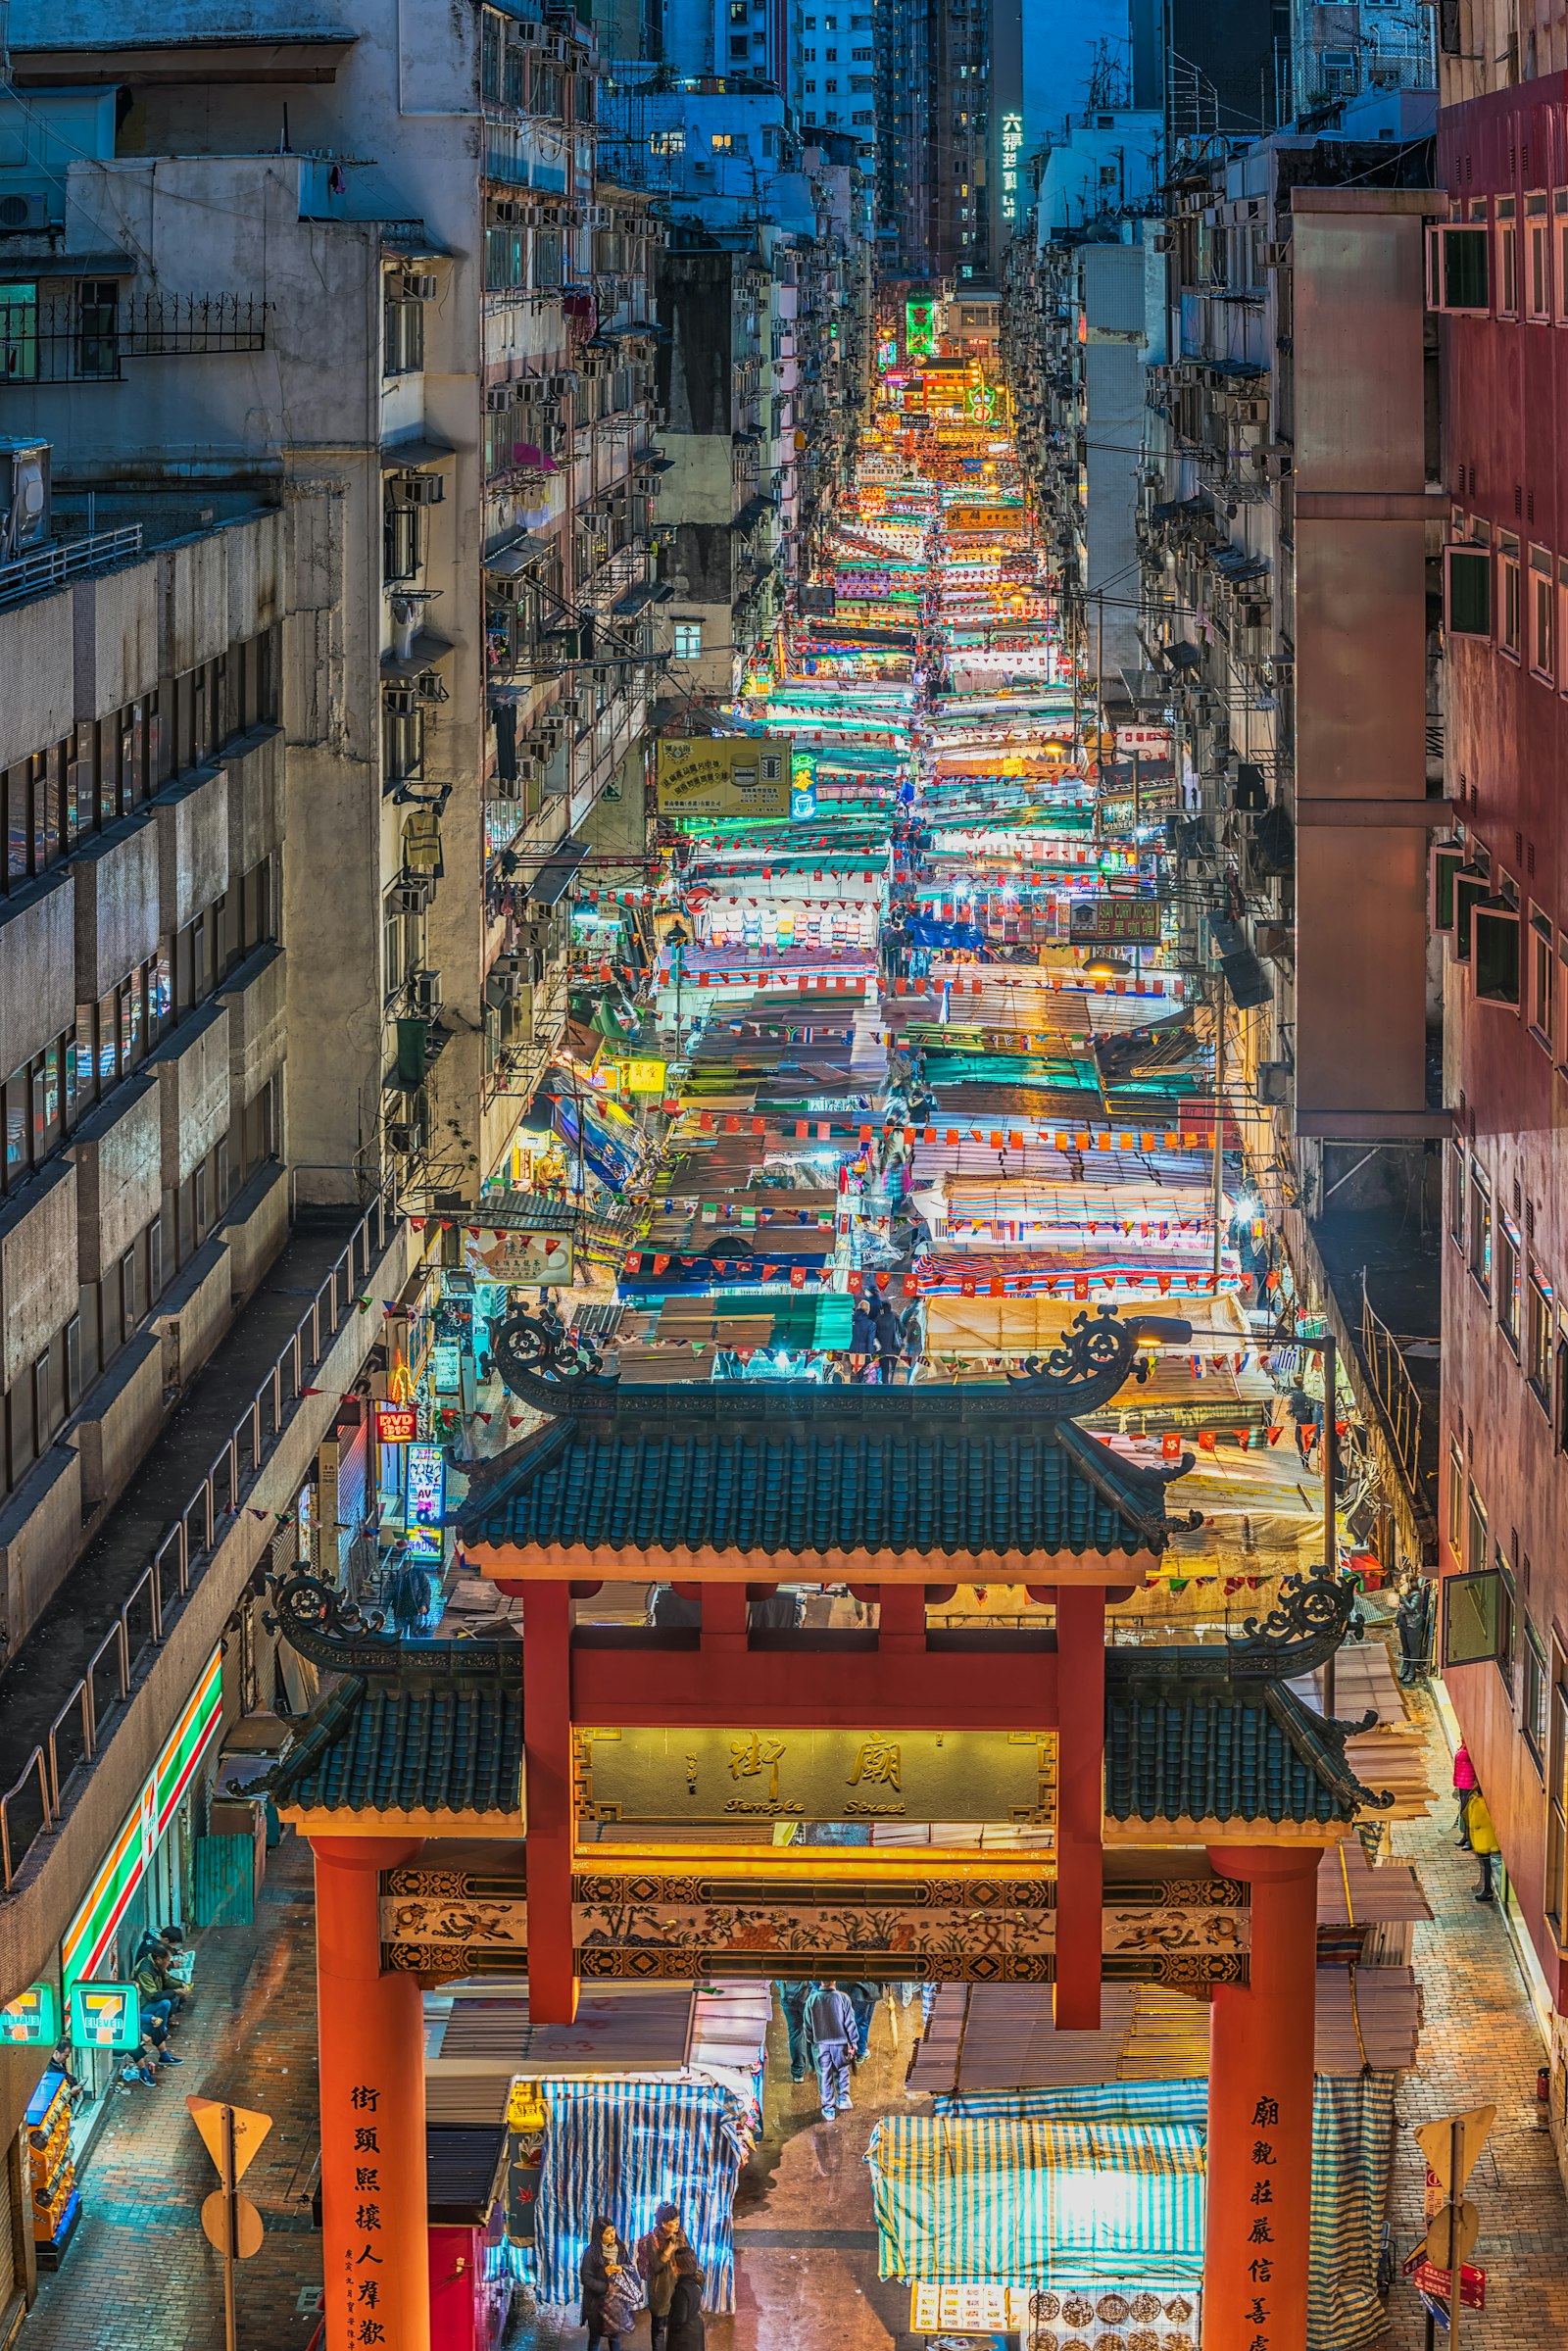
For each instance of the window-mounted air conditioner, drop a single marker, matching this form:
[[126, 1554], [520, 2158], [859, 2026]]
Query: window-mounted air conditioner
[[425, 991], [421, 285], [401, 701]]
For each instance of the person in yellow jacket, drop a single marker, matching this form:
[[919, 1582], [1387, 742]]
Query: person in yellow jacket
[[1482, 1841]]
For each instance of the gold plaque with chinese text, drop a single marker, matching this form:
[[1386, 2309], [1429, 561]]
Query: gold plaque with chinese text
[[707, 1777]]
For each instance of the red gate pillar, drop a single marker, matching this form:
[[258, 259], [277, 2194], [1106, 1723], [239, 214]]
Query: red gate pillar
[[1261, 2111], [550, 1822], [1080, 1803], [375, 2203]]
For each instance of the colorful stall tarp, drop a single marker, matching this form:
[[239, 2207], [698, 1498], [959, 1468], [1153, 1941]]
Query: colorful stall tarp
[[1353, 2149], [620, 2148], [981, 2197]]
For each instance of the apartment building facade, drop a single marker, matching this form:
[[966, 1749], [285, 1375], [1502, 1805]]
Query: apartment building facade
[[1501, 277], [467, 368], [145, 931]]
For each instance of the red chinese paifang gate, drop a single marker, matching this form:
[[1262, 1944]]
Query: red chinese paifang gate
[[1208, 1783]]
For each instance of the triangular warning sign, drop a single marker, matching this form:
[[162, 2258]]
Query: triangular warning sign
[[249, 2129]]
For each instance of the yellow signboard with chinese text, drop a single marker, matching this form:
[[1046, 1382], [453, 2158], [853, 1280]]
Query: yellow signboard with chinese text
[[710, 1776], [724, 776]]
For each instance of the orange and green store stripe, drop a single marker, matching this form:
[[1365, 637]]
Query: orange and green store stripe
[[91, 1931]]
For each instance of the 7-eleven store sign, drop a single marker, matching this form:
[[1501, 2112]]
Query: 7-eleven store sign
[[87, 1938]]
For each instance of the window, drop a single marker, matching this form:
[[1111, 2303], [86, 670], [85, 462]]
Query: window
[[1537, 1337], [1476, 1553], [688, 640], [1542, 614], [1470, 1619], [667, 142], [1455, 1513], [1467, 584], [1507, 1621], [19, 333], [36, 1102], [1534, 1690], [403, 535], [1507, 233], [722, 142], [1457, 1191], [1559, 235], [1481, 1234], [1509, 635], [1508, 1281], [1542, 980], [1537, 269], [404, 333], [1557, 1793]]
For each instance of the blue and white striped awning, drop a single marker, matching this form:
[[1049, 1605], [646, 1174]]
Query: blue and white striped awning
[[620, 2147]]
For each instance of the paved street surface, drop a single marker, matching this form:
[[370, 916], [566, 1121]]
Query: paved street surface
[[139, 2274], [805, 2236]]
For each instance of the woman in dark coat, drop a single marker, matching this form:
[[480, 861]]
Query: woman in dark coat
[[605, 2255], [685, 2331]]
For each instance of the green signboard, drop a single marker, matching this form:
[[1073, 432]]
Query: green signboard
[[103, 2016]]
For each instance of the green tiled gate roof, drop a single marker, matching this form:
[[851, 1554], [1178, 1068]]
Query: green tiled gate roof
[[785, 1468]]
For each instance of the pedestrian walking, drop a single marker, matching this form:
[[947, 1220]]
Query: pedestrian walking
[[612, 2291], [686, 2329], [1482, 1841], [862, 1999], [795, 1999], [830, 2021], [887, 1342], [1306, 1414], [655, 2265], [1413, 1625], [1464, 1788], [863, 1330]]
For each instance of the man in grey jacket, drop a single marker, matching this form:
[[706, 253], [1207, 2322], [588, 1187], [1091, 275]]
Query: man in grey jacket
[[830, 2023]]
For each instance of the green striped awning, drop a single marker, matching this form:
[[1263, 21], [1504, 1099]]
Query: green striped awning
[[1353, 2148], [1039, 2202]]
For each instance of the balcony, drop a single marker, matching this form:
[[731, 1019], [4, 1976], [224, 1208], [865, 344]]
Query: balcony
[[88, 342]]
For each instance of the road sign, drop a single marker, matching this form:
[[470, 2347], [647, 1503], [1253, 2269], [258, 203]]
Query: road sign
[[1435, 2141], [249, 2129], [1454, 2228], [248, 2231], [1428, 2278]]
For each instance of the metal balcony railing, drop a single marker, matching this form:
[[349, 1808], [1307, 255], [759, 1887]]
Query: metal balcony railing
[[37, 1802], [82, 341], [51, 566]]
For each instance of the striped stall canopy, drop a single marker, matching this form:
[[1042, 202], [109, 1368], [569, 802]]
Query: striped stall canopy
[[1039, 2202], [1353, 2148], [623, 2148]]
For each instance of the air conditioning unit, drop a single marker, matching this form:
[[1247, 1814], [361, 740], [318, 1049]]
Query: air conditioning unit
[[421, 489], [504, 984], [401, 701], [1275, 254], [429, 687], [23, 212], [425, 991], [405, 1136], [421, 285], [572, 706], [499, 397], [1274, 1083]]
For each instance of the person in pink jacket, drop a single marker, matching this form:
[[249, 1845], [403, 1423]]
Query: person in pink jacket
[[1464, 1788]]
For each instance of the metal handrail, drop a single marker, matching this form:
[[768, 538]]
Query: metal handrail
[[1397, 1393], [217, 1498]]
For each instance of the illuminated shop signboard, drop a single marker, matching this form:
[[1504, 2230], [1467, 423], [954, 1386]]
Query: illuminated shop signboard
[[1011, 144], [919, 330], [426, 1501], [32, 2021]]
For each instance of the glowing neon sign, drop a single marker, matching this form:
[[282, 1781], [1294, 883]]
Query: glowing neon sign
[[1011, 146]]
